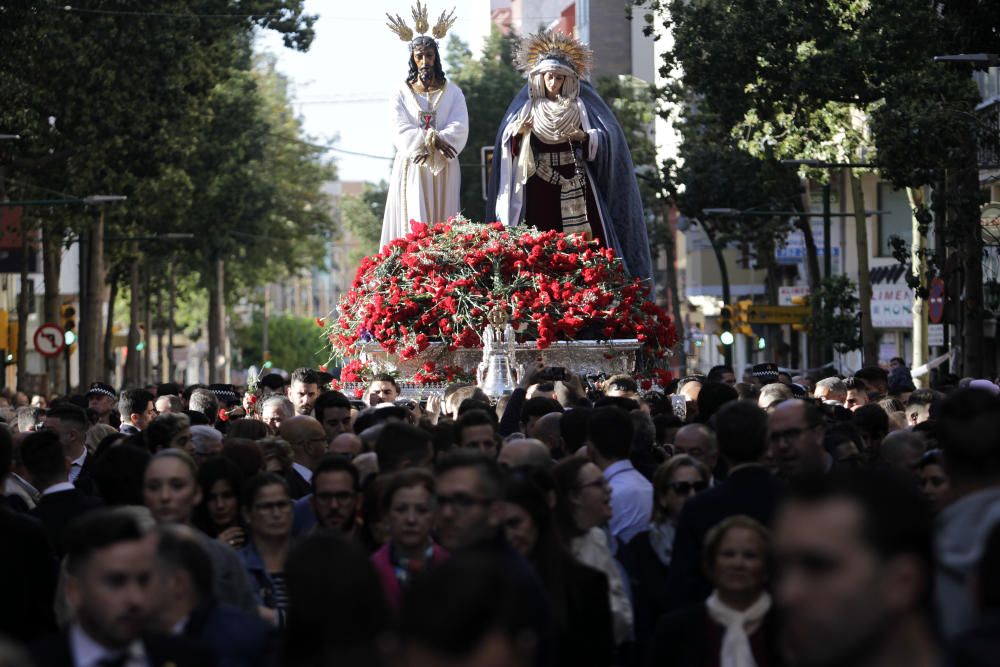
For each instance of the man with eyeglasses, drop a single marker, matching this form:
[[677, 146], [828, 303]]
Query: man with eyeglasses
[[468, 491], [796, 430], [469, 487], [335, 495], [749, 488]]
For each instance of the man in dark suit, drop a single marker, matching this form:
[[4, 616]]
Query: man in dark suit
[[70, 423], [28, 565], [741, 429], [61, 502], [185, 603], [109, 568], [308, 440]]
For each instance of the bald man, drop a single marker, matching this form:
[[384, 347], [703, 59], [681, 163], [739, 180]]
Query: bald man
[[902, 450], [346, 445], [308, 440], [527, 453], [699, 442], [548, 429]]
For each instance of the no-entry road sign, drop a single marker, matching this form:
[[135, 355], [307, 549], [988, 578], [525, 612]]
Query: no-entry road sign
[[49, 340]]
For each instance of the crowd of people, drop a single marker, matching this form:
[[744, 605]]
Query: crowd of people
[[771, 521]]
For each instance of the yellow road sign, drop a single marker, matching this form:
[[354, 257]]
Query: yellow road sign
[[777, 314]]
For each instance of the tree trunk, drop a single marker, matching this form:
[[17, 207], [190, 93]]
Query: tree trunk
[[168, 374], [147, 322], [109, 328], [815, 349], [23, 308], [971, 248], [869, 345], [918, 267], [92, 368], [727, 350], [265, 317], [216, 321], [161, 355], [133, 356], [940, 206], [670, 281], [52, 236]]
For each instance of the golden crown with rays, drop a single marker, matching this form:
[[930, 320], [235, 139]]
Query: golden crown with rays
[[420, 23], [533, 49]]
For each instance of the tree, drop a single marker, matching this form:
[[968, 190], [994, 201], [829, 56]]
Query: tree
[[362, 216], [835, 319], [101, 123], [293, 342], [801, 79], [633, 102]]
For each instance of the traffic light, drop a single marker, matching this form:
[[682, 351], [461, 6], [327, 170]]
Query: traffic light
[[67, 316], [741, 317], [761, 343], [801, 300], [726, 336]]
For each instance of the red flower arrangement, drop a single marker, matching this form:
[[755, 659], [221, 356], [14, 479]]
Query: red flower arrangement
[[439, 282]]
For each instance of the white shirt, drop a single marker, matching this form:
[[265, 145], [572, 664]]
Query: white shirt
[[305, 472], [631, 500], [77, 466], [88, 653], [56, 488]]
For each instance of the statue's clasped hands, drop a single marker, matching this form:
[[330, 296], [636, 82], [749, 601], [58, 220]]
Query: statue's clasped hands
[[440, 145]]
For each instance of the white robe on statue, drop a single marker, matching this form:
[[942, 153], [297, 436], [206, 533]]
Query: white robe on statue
[[427, 192]]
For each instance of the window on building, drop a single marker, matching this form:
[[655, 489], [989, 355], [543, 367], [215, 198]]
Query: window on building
[[897, 222]]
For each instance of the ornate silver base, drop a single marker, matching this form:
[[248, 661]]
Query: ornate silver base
[[584, 357]]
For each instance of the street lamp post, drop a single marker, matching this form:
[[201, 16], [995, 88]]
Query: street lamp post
[[727, 350]]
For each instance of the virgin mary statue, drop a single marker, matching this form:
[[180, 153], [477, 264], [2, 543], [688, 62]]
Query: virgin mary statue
[[561, 160]]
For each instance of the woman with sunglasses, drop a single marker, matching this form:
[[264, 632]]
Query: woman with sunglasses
[[647, 556]]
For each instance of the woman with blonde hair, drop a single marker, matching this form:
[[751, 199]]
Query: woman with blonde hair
[[735, 626]]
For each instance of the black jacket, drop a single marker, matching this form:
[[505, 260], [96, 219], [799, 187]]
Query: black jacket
[[161, 651], [57, 510], [586, 636], [236, 638], [298, 487], [28, 570], [85, 480], [752, 491], [686, 638]]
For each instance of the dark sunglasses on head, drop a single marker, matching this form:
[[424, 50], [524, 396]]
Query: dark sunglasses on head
[[684, 488]]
